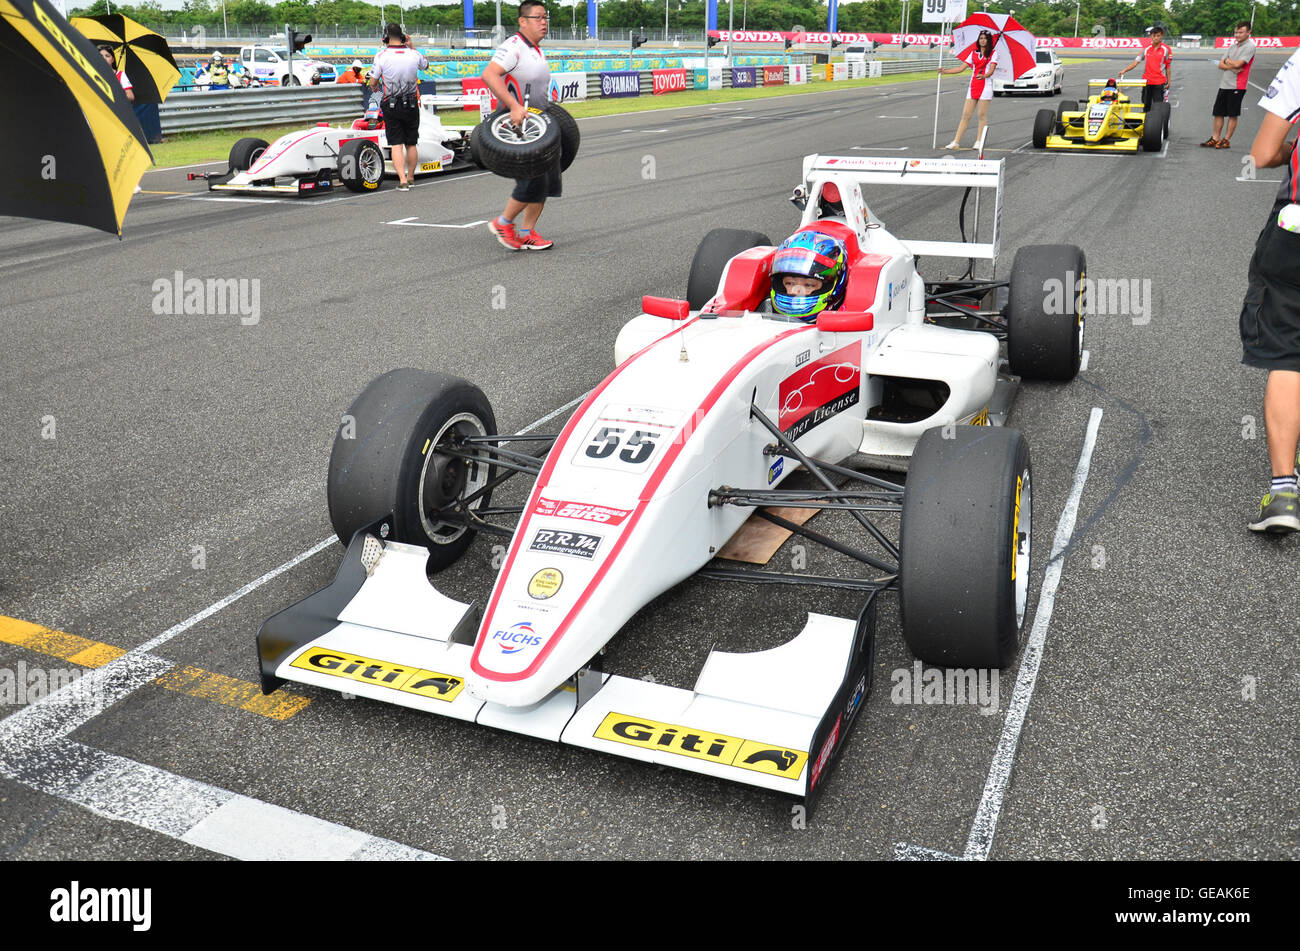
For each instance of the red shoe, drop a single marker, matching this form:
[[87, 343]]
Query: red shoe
[[534, 242], [505, 234]]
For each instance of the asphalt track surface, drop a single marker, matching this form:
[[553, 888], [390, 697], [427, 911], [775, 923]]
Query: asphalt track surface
[[1161, 723]]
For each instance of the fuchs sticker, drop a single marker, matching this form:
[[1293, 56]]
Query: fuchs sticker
[[825, 755], [703, 745], [381, 673], [581, 510], [821, 390], [545, 583], [578, 544], [515, 639]]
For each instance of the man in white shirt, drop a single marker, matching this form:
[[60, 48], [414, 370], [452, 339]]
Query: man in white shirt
[[518, 71], [1270, 315], [397, 72]]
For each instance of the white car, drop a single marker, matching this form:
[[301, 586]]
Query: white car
[[311, 161], [712, 408], [271, 66], [1046, 77]]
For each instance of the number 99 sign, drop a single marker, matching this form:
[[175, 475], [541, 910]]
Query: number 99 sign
[[943, 11]]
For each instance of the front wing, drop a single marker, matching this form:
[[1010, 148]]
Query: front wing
[[1125, 144], [776, 719]]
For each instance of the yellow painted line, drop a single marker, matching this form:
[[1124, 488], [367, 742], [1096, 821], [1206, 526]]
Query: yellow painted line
[[191, 681], [231, 692], [70, 647]]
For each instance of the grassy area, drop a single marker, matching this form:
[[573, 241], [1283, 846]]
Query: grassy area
[[190, 148]]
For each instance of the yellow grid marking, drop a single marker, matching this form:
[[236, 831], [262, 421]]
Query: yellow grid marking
[[191, 681]]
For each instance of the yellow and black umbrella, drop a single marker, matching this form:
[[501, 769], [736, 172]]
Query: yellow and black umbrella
[[76, 151], [141, 53]]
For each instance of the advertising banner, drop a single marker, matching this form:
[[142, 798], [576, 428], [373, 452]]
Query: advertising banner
[[567, 86], [742, 76], [669, 80], [623, 82], [773, 75]]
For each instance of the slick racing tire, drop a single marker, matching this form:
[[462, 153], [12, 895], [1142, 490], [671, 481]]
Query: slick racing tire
[[718, 247], [1044, 125], [1045, 312], [570, 137], [964, 566], [1062, 107], [361, 165], [1153, 135], [385, 461], [1164, 118], [473, 149], [528, 152], [245, 152]]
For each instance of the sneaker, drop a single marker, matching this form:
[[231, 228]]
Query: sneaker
[[954, 144], [534, 242], [403, 186], [1278, 512], [505, 234]]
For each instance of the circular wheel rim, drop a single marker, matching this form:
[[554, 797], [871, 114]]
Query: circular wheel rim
[[443, 480], [371, 165], [255, 155], [1022, 530], [532, 129]]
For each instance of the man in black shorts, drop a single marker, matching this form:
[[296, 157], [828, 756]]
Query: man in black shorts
[[397, 71], [1270, 314], [518, 71], [1234, 76]]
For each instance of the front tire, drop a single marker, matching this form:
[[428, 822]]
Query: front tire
[[1045, 308], [964, 570], [527, 153], [1044, 124], [361, 165], [1153, 136], [718, 247], [384, 460], [245, 152]]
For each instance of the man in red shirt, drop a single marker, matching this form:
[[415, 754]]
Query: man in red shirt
[[1158, 60]]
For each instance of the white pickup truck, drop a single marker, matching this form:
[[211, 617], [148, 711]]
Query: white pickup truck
[[270, 64]]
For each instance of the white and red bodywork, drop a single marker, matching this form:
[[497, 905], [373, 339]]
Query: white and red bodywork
[[620, 513]]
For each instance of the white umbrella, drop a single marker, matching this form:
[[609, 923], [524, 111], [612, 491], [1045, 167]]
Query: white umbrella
[[1013, 45]]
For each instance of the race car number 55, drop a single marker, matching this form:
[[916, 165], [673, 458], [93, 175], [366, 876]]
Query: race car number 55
[[624, 447]]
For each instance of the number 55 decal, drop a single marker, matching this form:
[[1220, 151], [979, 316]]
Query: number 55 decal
[[624, 448]]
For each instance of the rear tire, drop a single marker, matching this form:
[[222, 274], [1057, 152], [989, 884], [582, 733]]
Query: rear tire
[[1044, 312], [964, 570], [1062, 107], [383, 461], [245, 152], [1153, 135], [1044, 125], [718, 247]]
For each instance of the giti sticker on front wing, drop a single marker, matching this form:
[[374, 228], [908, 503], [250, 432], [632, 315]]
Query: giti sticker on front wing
[[381, 673], [702, 745]]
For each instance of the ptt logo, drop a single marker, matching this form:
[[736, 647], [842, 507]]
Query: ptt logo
[[774, 471], [516, 638], [702, 745]]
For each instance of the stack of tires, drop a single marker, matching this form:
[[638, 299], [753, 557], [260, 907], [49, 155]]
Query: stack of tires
[[530, 150]]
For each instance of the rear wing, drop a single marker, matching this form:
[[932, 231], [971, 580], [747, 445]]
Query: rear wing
[[483, 100], [849, 173], [1122, 82]]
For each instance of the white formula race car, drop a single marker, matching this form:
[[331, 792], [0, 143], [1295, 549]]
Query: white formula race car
[[712, 407], [310, 161]]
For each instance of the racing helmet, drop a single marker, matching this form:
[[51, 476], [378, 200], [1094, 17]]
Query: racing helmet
[[216, 57], [1111, 92], [809, 254]]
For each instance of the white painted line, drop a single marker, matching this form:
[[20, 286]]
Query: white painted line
[[919, 853], [1262, 181], [655, 130], [253, 200], [878, 148], [985, 825], [412, 223], [1083, 361], [897, 117], [174, 168], [554, 413]]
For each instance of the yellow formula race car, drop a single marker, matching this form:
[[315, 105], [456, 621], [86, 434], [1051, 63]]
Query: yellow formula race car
[[1109, 122]]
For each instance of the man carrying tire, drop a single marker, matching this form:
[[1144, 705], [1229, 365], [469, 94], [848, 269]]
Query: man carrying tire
[[1270, 314], [397, 70], [518, 72]]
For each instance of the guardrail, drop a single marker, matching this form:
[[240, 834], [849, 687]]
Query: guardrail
[[238, 108]]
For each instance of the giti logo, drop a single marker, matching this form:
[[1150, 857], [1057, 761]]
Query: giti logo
[[701, 744], [367, 670], [73, 53]]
